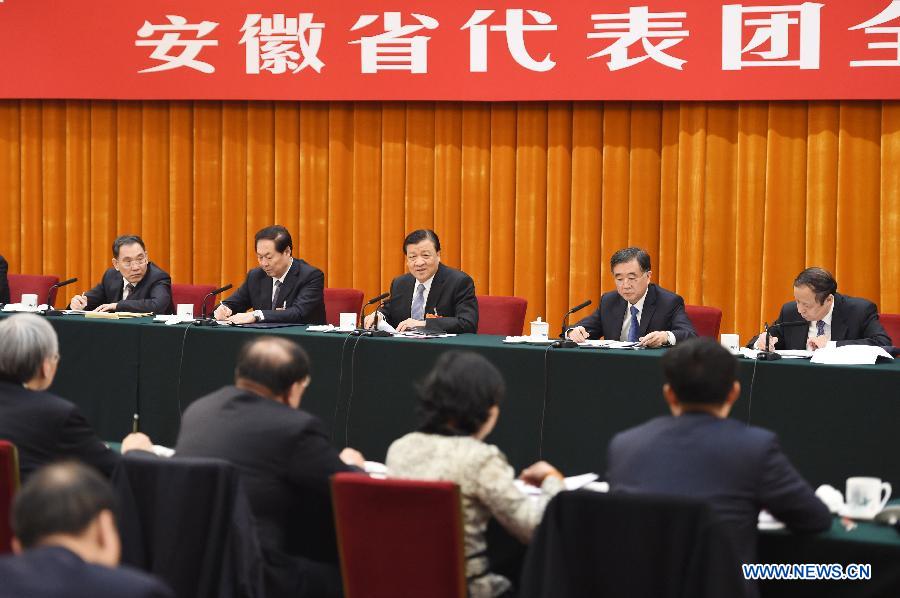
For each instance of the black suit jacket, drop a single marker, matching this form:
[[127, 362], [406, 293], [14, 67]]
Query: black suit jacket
[[46, 428], [452, 297], [4, 281], [152, 294], [854, 321], [738, 469], [285, 460], [301, 295], [663, 311], [53, 571]]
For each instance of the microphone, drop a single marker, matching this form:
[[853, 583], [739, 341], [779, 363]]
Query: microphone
[[208, 321], [360, 331], [767, 355], [564, 342], [50, 310]]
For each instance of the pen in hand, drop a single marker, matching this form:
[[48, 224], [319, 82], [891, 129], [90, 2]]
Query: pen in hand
[[134, 423]]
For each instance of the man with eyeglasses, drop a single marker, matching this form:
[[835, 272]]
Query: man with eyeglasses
[[638, 310], [831, 319], [283, 289], [134, 283], [431, 296]]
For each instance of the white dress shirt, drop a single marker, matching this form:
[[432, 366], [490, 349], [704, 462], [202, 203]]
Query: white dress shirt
[[626, 322], [427, 284]]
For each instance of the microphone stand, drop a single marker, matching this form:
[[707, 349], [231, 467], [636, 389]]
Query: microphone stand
[[765, 354], [209, 321], [565, 343], [51, 311], [361, 331]]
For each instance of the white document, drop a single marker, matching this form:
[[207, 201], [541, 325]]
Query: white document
[[850, 355], [785, 353], [571, 483], [383, 325], [608, 344]]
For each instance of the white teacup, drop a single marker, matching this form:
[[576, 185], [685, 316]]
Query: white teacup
[[730, 341], [185, 309], [29, 300], [866, 496], [540, 330], [348, 320]]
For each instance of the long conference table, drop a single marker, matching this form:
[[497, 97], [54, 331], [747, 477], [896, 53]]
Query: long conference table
[[562, 405]]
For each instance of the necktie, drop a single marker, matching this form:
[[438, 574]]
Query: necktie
[[820, 328], [418, 304], [277, 287], [129, 288], [634, 329]]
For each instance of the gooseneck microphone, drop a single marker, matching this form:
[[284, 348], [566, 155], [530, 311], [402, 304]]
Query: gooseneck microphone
[[765, 354], [209, 321], [51, 311], [361, 331], [564, 342]]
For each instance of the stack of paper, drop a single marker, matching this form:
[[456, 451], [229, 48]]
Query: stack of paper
[[850, 355]]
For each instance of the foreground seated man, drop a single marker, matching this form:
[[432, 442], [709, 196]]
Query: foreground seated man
[[43, 426], [66, 541], [285, 459], [699, 452], [282, 289], [431, 295], [637, 311], [134, 283], [820, 317]]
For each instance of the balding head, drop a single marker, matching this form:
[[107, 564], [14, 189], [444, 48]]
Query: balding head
[[71, 505], [274, 363], [27, 343]]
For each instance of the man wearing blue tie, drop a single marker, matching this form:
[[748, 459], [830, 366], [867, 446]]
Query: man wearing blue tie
[[432, 296], [638, 310]]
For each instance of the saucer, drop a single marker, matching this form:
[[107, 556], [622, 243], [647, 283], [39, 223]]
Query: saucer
[[845, 512]]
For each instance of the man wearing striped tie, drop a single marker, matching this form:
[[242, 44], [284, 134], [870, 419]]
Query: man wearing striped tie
[[833, 319], [134, 283], [282, 289], [638, 310], [431, 296]]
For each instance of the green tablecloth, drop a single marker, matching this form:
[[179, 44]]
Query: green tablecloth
[[833, 421]]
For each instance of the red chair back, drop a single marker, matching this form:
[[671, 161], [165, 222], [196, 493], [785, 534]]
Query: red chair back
[[706, 320], [411, 524], [9, 485], [339, 301], [502, 315], [891, 323], [31, 283], [193, 293]]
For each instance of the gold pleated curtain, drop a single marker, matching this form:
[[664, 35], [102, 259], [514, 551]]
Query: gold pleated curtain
[[731, 200]]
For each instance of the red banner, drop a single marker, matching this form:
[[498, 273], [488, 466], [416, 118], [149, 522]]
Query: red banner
[[460, 50]]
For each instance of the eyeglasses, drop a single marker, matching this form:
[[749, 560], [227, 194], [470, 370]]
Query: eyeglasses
[[630, 278], [128, 263]]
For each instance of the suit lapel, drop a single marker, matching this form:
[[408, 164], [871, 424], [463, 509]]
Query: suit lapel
[[838, 322], [649, 308], [613, 317], [437, 287], [400, 304], [290, 281]]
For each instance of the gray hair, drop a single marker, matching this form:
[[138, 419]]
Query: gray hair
[[26, 340], [623, 256]]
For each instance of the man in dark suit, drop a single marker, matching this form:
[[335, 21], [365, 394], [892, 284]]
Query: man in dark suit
[[282, 289], [133, 283], [637, 310], [285, 460], [4, 281], [67, 544], [43, 426], [432, 296], [821, 317], [698, 452]]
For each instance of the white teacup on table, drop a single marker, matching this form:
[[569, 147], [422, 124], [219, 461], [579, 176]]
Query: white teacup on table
[[29, 300], [348, 321], [185, 310], [866, 497], [732, 342], [540, 330]]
